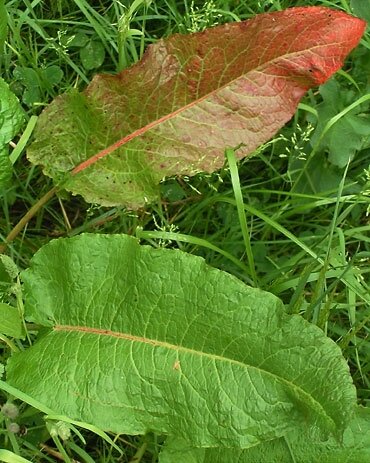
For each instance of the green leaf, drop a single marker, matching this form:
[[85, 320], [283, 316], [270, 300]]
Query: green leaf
[[27, 76], [349, 134], [150, 339], [30, 79], [10, 321], [78, 40], [9, 457], [11, 115], [361, 8], [92, 55], [188, 99], [299, 446], [52, 74], [176, 449], [11, 120], [6, 170], [319, 177]]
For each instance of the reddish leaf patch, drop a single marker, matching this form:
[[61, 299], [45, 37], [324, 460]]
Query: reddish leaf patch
[[189, 98]]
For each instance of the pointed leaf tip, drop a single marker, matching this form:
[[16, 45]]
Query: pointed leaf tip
[[189, 98]]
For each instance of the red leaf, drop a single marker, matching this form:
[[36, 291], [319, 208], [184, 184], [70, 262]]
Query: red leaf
[[189, 98]]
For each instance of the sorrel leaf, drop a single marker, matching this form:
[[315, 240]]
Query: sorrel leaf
[[189, 98], [298, 446], [149, 339], [11, 120], [302, 445]]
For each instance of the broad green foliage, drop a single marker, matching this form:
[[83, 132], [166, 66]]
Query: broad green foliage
[[11, 120], [11, 114], [92, 54], [5, 170], [301, 445], [189, 98], [135, 340], [33, 83], [10, 321], [349, 134], [145, 339]]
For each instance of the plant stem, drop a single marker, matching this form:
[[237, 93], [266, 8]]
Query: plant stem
[[27, 217], [10, 343]]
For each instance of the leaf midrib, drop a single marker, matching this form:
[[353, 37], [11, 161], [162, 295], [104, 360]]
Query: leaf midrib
[[155, 342], [138, 132]]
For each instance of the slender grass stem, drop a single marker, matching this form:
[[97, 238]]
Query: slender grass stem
[[27, 217], [230, 155]]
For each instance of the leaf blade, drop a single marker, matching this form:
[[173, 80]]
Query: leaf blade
[[190, 345], [301, 445], [176, 111], [11, 323], [11, 120], [6, 170]]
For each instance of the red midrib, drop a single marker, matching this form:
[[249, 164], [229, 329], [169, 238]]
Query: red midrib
[[83, 165]]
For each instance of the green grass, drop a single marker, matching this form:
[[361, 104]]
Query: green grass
[[306, 234]]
